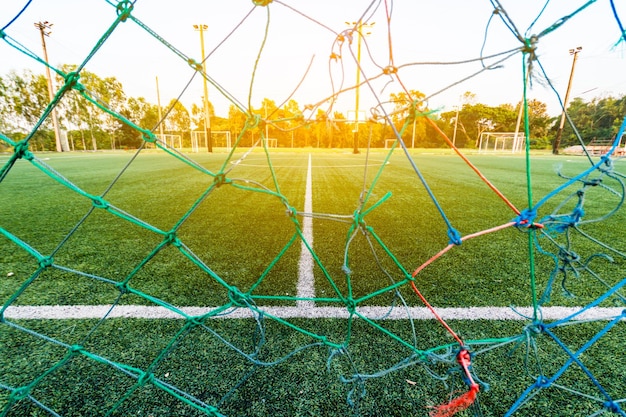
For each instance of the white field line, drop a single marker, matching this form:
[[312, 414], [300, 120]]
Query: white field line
[[398, 313], [306, 282]]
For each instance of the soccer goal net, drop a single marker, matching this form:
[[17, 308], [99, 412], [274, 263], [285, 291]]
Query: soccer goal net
[[171, 140], [219, 139], [320, 281], [390, 143], [501, 142], [271, 142]]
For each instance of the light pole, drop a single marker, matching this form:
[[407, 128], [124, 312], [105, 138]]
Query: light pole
[[456, 124], [359, 27], [44, 30], [557, 140], [205, 99]]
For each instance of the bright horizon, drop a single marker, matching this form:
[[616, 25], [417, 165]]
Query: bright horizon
[[303, 33]]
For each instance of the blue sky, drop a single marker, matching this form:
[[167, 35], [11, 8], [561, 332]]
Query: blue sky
[[419, 31]]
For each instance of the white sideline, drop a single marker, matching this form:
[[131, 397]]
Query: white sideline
[[417, 313], [306, 284]]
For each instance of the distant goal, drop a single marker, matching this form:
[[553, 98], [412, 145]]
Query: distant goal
[[219, 139], [173, 141], [502, 142], [271, 142], [389, 143]]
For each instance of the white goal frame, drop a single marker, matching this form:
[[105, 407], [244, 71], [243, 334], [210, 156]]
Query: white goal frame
[[170, 140], [271, 142], [389, 143], [502, 142], [198, 137]]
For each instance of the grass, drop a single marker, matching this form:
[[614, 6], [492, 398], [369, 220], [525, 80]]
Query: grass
[[241, 234]]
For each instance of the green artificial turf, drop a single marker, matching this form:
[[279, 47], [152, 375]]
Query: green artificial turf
[[155, 229]]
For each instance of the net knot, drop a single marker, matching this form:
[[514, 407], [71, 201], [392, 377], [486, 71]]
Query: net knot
[[122, 287], [612, 406], [238, 298], [455, 237], [99, 202], [71, 81], [145, 378], [124, 8], [525, 218], [149, 137], [172, 239], [390, 70], [74, 349], [22, 152], [2, 34], [261, 2], [19, 394], [194, 64], [253, 121], [530, 45], [46, 262], [350, 305], [219, 180], [291, 212], [542, 382]]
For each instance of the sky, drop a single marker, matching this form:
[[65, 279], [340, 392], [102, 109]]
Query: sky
[[293, 49]]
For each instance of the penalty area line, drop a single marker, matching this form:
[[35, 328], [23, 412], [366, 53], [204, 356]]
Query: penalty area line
[[57, 312]]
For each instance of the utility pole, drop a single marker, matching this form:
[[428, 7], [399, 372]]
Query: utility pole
[[557, 140], [44, 30], [205, 99]]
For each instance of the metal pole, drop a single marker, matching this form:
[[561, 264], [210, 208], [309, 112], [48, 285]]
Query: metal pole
[[559, 133], [205, 99], [359, 27], [44, 30], [358, 82], [159, 110], [456, 123]]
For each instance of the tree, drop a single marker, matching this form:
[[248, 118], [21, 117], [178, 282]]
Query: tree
[[197, 115], [177, 120], [26, 98], [415, 133]]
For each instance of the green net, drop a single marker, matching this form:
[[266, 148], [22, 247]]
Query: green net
[[260, 281]]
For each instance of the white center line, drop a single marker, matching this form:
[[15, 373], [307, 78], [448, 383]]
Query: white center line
[[306, 281]]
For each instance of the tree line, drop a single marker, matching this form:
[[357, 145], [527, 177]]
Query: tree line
[[24, 97]]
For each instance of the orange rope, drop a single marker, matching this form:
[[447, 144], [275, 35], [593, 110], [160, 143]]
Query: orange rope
[[474, 168]]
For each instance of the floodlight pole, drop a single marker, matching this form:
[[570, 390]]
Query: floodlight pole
[[456, 124], [205, 99], [159, 109], [559, 133], [359, 27], [44, 30]]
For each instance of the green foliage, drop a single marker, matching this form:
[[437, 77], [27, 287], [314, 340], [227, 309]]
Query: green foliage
[[598, 119]]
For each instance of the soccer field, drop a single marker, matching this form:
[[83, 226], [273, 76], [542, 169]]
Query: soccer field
[[312, 256]]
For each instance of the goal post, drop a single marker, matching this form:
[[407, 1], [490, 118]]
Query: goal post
[[171, 140], [219, 139], [502, 142], [271, 142], [389, 143]]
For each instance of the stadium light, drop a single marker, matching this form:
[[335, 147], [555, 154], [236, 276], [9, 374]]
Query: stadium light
[[205, 98], [45, 30], [557, 139], [359, 28]]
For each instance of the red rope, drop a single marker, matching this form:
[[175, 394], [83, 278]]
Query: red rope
[[463, 401]]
